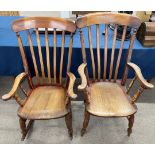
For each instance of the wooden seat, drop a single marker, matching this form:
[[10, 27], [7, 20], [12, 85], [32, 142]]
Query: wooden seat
[[104, 95], [109, 99], [45, 102]]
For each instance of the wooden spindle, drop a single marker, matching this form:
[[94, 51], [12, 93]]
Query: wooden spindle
[[137, 94], [105, 51], [120, 53], [48, 56], [54, 56], [40, 56], [23, 90], [131, 84], [84, 55], [112, 52], [98, 49], [70, 52], [33, 57], [91, 51], [19, 100], [24, 60], [62, 56], [128, 56]]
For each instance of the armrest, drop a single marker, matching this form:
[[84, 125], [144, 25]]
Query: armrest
[[17, 82], [81, 71], [140, 76], [71, 85]]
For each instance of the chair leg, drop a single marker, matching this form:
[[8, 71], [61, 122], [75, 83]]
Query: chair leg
[[22, 123], [68, 120], [130, 125], [85, 123]]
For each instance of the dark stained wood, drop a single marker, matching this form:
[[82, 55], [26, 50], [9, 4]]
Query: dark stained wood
[[108, 97], [131, 121], [47, 99], [85, 123]]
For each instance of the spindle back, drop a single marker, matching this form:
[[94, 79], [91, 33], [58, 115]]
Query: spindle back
[[45, 67], [106, 18]]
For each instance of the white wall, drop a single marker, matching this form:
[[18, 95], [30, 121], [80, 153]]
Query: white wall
[[63, 14]]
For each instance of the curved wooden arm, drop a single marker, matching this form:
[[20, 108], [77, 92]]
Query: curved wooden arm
[[81, 71], [17, 82], [71, 85], [139, 75]]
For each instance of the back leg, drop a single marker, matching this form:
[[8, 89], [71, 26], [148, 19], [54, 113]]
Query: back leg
[[130, 125], [85, 123], [68, 120], [22, 123]]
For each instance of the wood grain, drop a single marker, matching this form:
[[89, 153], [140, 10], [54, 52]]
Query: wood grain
[[108, 99], [45, 102]]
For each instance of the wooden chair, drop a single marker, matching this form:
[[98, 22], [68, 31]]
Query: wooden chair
[[105, 94], [49, 97]]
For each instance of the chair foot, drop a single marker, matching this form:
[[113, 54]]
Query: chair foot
[[85, 123], [83, 132], [24, 129], [130, 125], [68, 120]]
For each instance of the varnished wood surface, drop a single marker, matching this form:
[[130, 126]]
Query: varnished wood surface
[[45, 102], [81, 71], [140, 76], [109, 99], [43, 22], [16, 84], [108, 18]]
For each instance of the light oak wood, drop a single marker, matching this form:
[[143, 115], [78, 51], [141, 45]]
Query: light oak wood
[[16, 84], [71, 84], [98, 50], [109, 99], [112, 52], [45, 99], [91, 52], [105, 52], [140, 76], [48, 56], [81, 71], [120, 53]]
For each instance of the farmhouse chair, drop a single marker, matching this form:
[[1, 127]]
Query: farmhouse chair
[[48, 96], [106, 95]]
